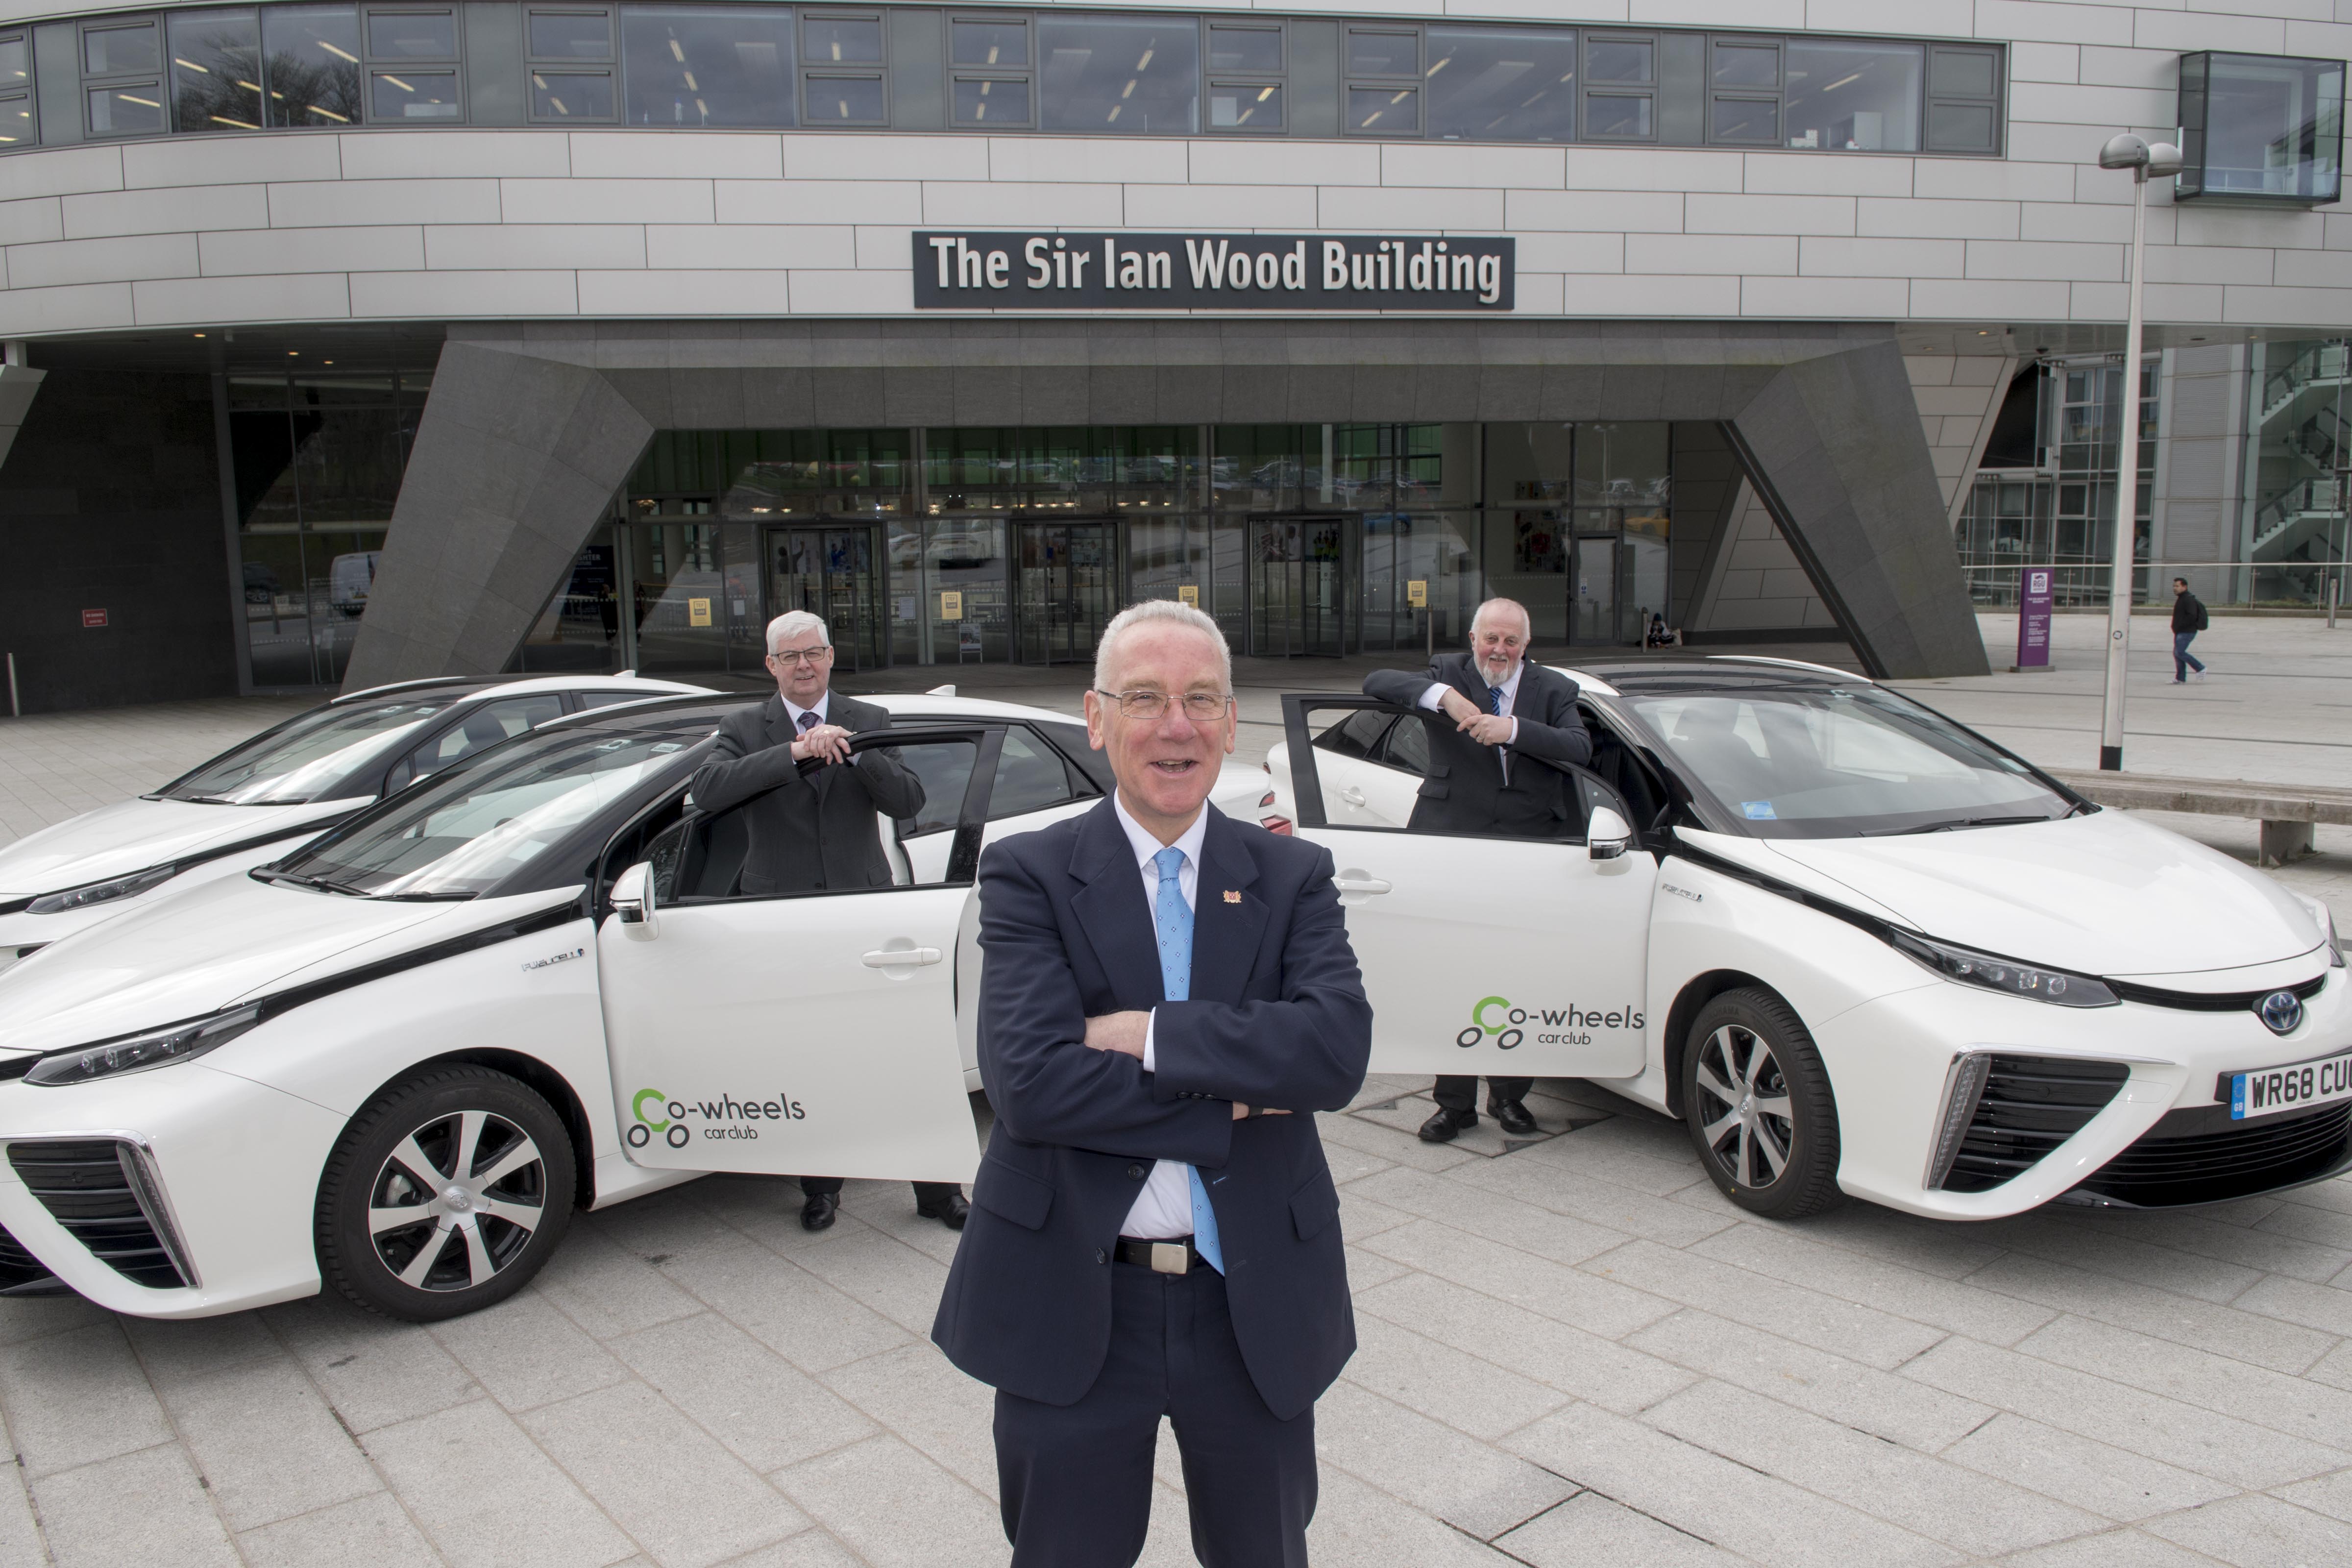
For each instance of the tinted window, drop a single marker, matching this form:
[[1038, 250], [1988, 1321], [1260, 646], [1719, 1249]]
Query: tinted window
[[1408, 746], [944, 769], [302, 758], [1376, 53], [718, 65], [216, 70], [312, 57], [1129, 74], [414, 95], [1358, 734], [843, 40], [412, 36], [110, 51], [990, 43], [483, 728], [1244, 48], [1492, 84], [1030, 776], [570, 36]]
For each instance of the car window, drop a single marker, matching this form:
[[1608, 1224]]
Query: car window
[[724, 855], [1358, 734], [1030, 776], [1092, 768], [1406, 746], [588, 700], [483, 728], [1828, 761], [312, 757]]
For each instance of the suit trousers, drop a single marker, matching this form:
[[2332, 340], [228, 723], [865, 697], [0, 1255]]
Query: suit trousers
[[1077, 1478], [1462, 1093], [925, 1192]]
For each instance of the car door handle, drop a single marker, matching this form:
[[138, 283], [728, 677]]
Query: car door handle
[[1352, 795], [1357, 882], [900, 957]]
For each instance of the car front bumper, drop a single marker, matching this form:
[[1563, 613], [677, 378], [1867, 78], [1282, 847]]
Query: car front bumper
[[1890, 1063], [227, 1170]]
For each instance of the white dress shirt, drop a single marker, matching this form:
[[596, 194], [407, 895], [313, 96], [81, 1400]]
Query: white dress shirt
[[1435, 701], [794, 712], [1163, 1209]]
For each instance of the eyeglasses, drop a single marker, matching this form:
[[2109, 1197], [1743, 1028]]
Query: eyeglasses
[[1200, 706], [808, 656]]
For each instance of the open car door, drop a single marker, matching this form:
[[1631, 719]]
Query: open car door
[[1522, 953], [763, 1033]]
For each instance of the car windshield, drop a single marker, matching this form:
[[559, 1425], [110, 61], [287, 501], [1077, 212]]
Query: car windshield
[[308, 758], [466, 831], [1831, 762]]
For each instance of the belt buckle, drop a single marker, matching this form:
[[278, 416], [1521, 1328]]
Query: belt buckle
[[1167, 1258]]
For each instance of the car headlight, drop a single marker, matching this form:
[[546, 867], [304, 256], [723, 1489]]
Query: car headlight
[[137, 1053], [2006, 975], [91, 894]]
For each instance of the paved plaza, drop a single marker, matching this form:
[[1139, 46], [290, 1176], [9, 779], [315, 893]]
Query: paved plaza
[[1573, 1349]]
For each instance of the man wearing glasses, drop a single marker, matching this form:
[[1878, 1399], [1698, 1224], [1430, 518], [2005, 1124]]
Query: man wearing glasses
[[1168, 996], [813, 830]]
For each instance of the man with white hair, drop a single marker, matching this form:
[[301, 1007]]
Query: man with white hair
[[1484, 779], [1167, 997], [813, 829]]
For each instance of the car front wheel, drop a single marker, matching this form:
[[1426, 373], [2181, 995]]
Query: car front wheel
[[445, 1195], [1758, 1106]]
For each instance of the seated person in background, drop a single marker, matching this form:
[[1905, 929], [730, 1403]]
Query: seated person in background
[[1659, 637], [813, 830], [1500, 705]]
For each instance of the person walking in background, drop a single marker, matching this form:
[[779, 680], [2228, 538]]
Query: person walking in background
[[2189, 619], [1166, 997]]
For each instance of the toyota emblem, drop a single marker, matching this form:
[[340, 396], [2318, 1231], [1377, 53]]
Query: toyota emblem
[[2280, 1012]]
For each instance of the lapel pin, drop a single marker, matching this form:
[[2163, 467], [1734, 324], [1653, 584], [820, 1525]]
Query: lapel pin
[[1232, 895]]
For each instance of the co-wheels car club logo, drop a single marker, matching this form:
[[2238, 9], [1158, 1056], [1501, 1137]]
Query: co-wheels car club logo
[[1495, 1018], [656, 1115]]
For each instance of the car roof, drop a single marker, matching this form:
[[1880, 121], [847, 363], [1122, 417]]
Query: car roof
[[509, 685], [717, 705], [1688, 672]]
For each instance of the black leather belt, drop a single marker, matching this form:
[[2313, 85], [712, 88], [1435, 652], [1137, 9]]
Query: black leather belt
[[1174, 1257]]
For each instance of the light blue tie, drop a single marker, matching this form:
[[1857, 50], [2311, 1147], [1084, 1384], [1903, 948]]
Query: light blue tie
[[1174, 918]]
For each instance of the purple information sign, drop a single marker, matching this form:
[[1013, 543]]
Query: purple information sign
[[2033, 618]]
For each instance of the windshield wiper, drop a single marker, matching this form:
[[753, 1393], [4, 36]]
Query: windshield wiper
[[303, 879], [1951, 822], [448, 898]]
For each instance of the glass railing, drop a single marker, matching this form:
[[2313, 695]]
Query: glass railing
[[2235, 585]]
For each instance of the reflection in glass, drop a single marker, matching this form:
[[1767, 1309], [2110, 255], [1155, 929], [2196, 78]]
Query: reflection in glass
[[1138, 74], [1746, 120], [1244, 106], [1618, 60], [1240, 48], [843, 40], [16, 69], [412, 36], [2262, 126], [1608, 114], [1490, 84], [719, 66], [215, 70], [1964, 73], [110, 51], [1131, 471], [845, 101], [991, 103], [1371, 52], [312, 61], [16, 119], [1391, 111], [1960, 127], [414, 95], [126, 111], [989, 42], [571, 95], [1746, 64], [570, 36], [1859, 98]]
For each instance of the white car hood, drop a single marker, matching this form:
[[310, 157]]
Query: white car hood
[[132, 834], [2102, 894], [213, 945]]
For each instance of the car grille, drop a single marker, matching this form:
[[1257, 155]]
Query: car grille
[[2029, 1106], [21, 1273], [2199, 1155], [88, 1186]]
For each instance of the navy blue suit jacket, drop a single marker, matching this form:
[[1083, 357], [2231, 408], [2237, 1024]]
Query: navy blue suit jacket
[[1276, 1018]]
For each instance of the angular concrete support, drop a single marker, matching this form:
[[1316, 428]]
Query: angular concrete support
[[18, 384], [1854, 494], [516, 461]]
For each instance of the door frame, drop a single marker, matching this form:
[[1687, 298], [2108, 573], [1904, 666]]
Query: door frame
[[1253, 567], [868, 610], [1113, 544]]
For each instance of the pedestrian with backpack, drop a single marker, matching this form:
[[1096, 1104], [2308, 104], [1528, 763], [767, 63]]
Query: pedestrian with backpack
[[2187, 619]]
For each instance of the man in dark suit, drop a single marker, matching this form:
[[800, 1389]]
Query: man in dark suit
[[1166, 998], [1483, 779], [818, 829]]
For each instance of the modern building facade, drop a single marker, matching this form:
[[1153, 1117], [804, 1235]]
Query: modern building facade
[[350, 342]]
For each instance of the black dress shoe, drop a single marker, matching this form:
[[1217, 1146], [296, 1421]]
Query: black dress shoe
[[818, 1212], [1512, 1118], [1442, 1127], [951, 1211]]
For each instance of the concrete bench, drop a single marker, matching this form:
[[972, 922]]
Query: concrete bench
[[2288, 813]]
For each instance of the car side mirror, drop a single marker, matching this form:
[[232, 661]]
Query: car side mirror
[[633, 900], [1608, 835]]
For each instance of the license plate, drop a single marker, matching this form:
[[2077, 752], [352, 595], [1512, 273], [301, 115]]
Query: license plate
[[2275, 1090]]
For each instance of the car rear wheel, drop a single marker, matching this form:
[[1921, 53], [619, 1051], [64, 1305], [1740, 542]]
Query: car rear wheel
[[445, 1195], [1758, 1106]]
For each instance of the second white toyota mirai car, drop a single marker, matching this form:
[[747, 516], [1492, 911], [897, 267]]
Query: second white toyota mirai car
[[396, 1058], [1852, 944], [264, 795]]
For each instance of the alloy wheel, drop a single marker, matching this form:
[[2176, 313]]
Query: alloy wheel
[[1744, 1115], [456, 1201]]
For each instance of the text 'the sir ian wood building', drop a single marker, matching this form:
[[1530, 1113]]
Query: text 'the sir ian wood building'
[[352, 341]]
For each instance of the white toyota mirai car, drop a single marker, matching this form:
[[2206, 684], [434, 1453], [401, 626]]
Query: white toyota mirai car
[[1852, 945], [398, 1057], [261, 797]]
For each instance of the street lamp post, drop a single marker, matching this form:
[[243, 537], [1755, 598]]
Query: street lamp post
[[2159, 162]]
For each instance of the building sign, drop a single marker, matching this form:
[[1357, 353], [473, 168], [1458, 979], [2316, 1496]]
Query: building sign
[[1016, 271], [697, 612], [93, 618], [2033, 618]]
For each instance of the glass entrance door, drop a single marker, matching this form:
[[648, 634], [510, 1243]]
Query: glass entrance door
[[1593, 592], [829, 572], [1297, 591], [1065, 589]]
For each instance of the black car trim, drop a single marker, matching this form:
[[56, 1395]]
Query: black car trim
[[189, 862]]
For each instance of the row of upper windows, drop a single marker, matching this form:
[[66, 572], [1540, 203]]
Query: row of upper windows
[[928, 68]]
